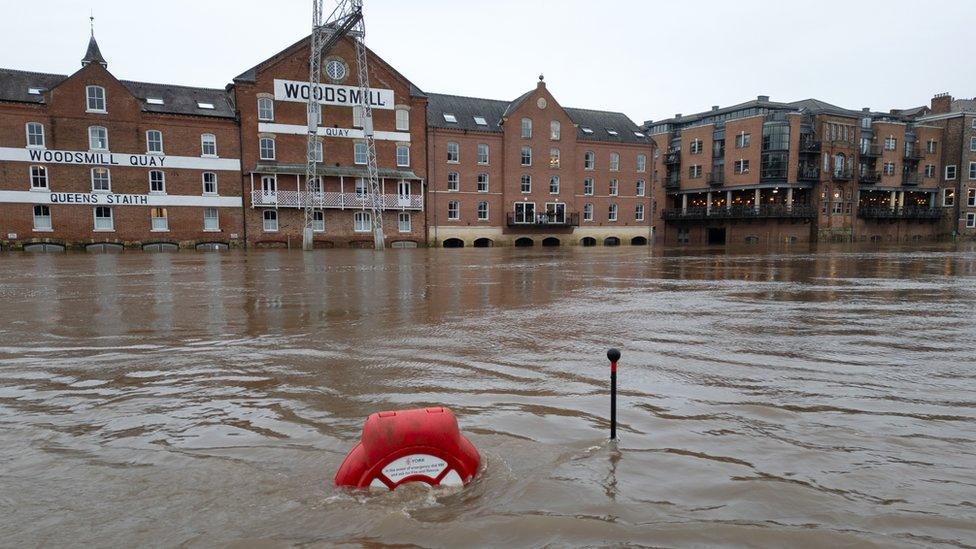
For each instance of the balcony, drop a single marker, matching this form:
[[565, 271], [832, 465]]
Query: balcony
[[870, 151], [545, 220], [810, 146], [332, 200], [843, 174], [875, 212], [910, 179], [775, 173], [808, 173], [716, 179], [673, 180], [913, 154], [869, 177], [778, 211], [673, 156]]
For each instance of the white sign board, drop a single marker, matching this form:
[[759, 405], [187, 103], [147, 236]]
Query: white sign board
[[330, 94], [47, 156], [112, 199]]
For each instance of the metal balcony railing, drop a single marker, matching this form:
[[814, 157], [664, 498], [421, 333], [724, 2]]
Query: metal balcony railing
[[808, 173], [333, 200], [810, 146], [870, 151], [844, 174], [716, 179], [910, 179], [913, 153], [874, 212], [775, 211], [869, 177]]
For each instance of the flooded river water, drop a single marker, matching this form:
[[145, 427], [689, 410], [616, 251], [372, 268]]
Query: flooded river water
[[806, 398]]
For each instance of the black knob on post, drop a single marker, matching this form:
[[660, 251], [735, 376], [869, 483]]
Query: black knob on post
[[613, 355]]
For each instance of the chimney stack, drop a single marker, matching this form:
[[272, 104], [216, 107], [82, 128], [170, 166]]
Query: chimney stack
[[941, 103]]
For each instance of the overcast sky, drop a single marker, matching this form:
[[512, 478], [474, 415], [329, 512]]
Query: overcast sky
[[648, 59]]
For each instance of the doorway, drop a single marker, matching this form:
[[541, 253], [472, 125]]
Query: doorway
[[716, 235]]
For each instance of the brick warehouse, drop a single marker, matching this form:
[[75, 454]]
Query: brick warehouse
[[88, 161]]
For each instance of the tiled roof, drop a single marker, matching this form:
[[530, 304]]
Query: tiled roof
[[93, 55], [14, 86], [465, 109]]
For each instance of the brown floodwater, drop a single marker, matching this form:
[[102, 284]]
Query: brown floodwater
[[768, 398]]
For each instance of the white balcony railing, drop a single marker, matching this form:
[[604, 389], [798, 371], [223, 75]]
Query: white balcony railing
[[333, 200]]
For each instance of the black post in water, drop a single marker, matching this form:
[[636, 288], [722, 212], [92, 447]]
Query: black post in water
[[614, 356]]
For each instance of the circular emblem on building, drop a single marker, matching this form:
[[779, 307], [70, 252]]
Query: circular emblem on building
[[541, 102], [335, 69]]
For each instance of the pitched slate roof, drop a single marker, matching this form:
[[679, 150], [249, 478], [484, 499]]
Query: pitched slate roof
[[176, 99], [493, 110]]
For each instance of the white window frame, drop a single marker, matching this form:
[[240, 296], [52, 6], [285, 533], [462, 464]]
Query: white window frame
[[484, 217], [111, 220], [892, 141], [614, 162], [526, 178], [743, 140], [483, 151], [89, 97], [360, 154], [402, 121], [108, 173], [453, 153], [208, 139], [971, 197], [265, 109], [640, 188], [526, 128], [885, 168], [482, 179], [161, 178], [150, 141], [400, 225], [554, 130], [970, 220], [215, 218], [453, 210], [972, 171], [554, 159], [639, 212], [269, 221], [91, 138], [46, 224], [263, 150], [453, 182], [948, 197], [526, 153], [613, 188], [36, 172], [589, 160], [641, 163], [155, 225], [588, 186], [358, 118], [403, 156], [203, 182], [955, 172], [554, 184], [527, 217], [27, 129], [972, 143], [612, 213], [318, 221], [929, 170], [739, 167], [588, 212]]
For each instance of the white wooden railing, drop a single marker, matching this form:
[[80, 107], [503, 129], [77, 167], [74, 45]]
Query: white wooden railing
[[333, 200]]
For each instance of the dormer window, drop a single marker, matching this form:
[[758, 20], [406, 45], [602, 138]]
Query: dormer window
[[587, 130], [450, 118], [208, 106], [639, 135], [34, 91], [480, 120], [154, 101], [612, 131], [96, 98]]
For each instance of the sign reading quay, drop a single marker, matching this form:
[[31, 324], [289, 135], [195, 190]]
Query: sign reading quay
[[127, 160], [328, 94]]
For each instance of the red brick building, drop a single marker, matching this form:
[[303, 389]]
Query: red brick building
[[271, 101], [532, 172], [91, 161], [771, 172]]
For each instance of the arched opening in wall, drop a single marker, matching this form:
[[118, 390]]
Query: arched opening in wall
[[160, 247], [104, 247], [453, 243], [483, 243], [323, 244], [752, 239], [611, 241], [524, 242], [362, 244], [588, 241], [550, 241], [402, 244], [270, 244], [638, 241], [44, 247], [212, 247]]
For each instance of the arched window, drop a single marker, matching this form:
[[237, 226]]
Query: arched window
[[96, 98], [208, 144], [839, 162], [554, 130], [154, 142], [402, 120], [267, 148]]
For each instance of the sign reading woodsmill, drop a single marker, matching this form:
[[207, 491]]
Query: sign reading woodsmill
[[328, 94]]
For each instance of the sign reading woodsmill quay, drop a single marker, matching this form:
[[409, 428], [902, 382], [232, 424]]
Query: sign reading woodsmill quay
[[328, 94]]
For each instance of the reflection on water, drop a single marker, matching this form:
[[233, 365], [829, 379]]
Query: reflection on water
[[778, 399]]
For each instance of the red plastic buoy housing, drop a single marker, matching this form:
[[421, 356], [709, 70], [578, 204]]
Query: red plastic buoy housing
[[422, 445]]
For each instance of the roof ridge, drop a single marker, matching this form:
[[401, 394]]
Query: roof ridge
[[467, 97], [34, 72], [222, 90]]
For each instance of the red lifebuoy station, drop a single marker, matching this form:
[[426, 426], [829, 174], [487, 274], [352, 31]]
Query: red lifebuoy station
[[397, 447]]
